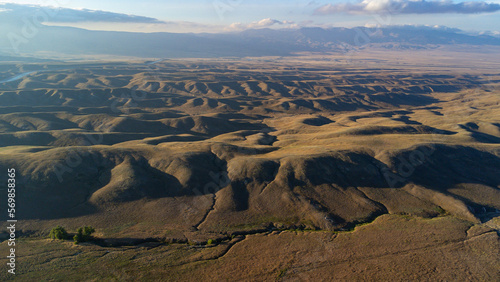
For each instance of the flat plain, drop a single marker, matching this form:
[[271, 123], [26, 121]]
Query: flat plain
[[373, 165]]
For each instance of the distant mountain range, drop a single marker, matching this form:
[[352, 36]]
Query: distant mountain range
[[256, 42]]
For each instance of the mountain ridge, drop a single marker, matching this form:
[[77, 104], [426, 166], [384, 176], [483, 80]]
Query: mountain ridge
[[251, 42]]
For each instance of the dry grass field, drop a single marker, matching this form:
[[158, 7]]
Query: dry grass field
[[374, 166]]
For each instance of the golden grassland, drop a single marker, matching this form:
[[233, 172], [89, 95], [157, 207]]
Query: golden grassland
[[274, 159]]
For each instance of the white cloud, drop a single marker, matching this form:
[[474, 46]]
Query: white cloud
[[408, 7], [16, 12], [264, 23]]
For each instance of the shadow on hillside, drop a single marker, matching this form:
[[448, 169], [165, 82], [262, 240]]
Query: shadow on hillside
[[437, 167], [443, 167]]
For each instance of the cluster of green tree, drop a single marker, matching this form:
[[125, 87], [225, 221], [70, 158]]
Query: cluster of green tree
[[83, 234], [58, 233]]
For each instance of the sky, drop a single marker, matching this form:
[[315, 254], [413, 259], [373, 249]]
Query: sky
[[235, 15]]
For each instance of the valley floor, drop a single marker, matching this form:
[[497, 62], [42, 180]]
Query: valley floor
[[395, 248]]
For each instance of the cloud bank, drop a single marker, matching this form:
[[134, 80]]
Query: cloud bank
[[264, 23], [15, 12], [408, 7]]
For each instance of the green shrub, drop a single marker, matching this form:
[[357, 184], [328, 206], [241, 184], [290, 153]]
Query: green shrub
[[210, 242], [78, 237], [58, 233], [87, 232], [83, 234]]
